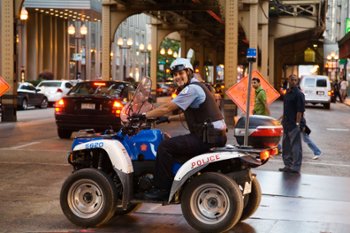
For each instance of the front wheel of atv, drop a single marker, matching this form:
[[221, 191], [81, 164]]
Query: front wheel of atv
[[252, 200], [212, 202], [88, 198]]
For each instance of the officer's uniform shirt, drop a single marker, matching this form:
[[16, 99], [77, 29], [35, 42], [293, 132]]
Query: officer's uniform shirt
[[193, 96]]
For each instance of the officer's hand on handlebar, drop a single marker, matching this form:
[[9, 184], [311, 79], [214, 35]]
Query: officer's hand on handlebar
[[162, 119]]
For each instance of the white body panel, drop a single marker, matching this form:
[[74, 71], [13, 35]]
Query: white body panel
[[116, 151], [205, 159]]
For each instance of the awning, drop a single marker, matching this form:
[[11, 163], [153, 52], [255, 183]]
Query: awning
[[344, 46]]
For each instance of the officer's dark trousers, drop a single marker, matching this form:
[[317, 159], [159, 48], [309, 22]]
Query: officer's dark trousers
[[177, 149]]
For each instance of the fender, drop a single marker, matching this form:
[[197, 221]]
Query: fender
[[120, 160], [197, 163], [116, 152]]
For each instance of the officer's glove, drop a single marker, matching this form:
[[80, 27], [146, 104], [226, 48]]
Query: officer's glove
[[162, 119]]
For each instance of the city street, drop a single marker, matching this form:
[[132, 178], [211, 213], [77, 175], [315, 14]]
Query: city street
[[33, 167]]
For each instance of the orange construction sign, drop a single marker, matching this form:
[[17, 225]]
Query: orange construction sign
[[238, 92], [3, 86]]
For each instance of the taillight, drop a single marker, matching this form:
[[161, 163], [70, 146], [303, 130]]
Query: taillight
[[59, 105], [117, 108], [59, 90], [100, 84], [264, 155], [330, 93]]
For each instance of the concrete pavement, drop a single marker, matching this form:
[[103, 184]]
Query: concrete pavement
[[347, 101]]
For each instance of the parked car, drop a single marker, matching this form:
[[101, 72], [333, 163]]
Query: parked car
[[317, 89], [92, 105], [28, 95], [55, 89]]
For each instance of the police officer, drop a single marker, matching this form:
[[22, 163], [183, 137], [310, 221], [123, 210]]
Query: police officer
[[204, 119]]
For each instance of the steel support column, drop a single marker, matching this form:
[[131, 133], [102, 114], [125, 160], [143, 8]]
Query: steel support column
[[154, 54], [264, 43], [106, 41], [231, 42], [253, 28], [9, 99]]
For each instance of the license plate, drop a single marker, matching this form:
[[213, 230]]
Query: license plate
[[87, 106], [247, 188], [320, 93]]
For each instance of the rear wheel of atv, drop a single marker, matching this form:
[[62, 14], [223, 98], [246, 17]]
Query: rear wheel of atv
[[212, 202], [88, 198], [252, 200]]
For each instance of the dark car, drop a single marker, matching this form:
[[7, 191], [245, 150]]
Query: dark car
[[92, 105], [28, 95]]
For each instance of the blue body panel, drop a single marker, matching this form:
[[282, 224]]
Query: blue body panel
[[144, 143]]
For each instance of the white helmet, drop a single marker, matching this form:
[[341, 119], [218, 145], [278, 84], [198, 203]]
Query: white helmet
[[180, 64]]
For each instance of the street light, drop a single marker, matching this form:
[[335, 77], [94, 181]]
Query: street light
[[78, 56], [142, 49], [24, 14], [124, 44], [167, 56], [332, 65]]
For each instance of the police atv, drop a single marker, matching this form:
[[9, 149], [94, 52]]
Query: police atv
[[110, 171]]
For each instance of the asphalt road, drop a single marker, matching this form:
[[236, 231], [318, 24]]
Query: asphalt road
[[33, 167]]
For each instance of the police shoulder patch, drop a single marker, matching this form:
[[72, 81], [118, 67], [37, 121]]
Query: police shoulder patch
[[185, 90]]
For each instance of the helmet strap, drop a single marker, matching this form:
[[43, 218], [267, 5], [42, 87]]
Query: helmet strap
[[189, 76]]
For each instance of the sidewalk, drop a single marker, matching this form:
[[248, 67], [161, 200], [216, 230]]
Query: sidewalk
[[347, 101]]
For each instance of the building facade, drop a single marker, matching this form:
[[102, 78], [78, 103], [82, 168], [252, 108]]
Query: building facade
[[335, 39]]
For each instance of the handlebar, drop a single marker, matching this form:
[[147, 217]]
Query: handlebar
[[139, 121]]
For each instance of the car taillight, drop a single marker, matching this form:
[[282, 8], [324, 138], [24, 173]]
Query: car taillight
[[59, 90], [330, 93], [59, 105], [117, 108], [99, 84]]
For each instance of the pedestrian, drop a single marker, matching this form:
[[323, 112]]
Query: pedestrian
[[336, 91], [293, 109], [203, 118], [78, 75], [260, 105], [305, 134], [343, 89]]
